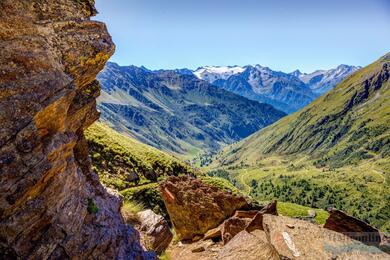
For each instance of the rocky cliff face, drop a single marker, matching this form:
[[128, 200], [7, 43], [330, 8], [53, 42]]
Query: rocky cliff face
[[51, 204]]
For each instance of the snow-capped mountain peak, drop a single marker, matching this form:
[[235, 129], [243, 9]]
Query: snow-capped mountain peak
[[285, 91], [321, 81], [297, 73], [213, 73]]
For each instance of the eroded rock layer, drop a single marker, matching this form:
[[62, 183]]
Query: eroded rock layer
[[51, 204]]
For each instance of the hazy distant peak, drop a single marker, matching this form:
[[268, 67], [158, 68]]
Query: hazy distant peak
[[321, 81], [297, 73], [260, 67]]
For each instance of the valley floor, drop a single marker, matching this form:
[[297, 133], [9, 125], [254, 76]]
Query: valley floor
[[362, 190]]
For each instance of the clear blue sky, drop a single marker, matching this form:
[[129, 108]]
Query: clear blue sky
[[282, 34]]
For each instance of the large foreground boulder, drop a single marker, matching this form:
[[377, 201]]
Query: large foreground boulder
[[299, 239], [155, 232], [195, 207], [354, 228]]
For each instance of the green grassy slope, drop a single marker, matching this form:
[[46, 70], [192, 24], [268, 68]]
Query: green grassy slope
[[347, 124], [334, 152], [117, 157], [123, 162]]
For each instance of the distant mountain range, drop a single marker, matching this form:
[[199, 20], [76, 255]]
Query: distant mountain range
[[288, 92], [187, 111], [177, 112]]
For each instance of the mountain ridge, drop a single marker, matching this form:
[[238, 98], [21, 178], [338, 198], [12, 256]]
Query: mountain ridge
[[176, 112], [359, 88], [288, 92]]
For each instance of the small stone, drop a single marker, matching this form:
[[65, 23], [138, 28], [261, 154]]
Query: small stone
[[290, 226], [198, 249], [311, 213], [209, 244], [245, 213], [196, 238], [213, 233]]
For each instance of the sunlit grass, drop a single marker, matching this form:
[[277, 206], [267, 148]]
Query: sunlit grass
[[129, 211], [361, 190], [294, 210]]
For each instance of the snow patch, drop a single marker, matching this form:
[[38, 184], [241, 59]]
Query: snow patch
[[212, 73]]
